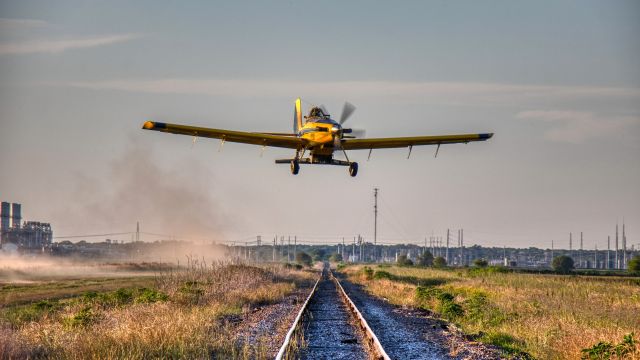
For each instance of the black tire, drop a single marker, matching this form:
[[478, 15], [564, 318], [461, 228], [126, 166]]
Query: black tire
[[353, 169], [295, 167]]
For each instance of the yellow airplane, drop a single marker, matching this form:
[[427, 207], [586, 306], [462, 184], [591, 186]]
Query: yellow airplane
[[320, 135]]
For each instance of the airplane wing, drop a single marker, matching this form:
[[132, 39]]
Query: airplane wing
[[265, 139], [397, 142]]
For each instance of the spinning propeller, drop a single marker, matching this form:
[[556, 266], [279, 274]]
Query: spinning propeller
[[347, 111]]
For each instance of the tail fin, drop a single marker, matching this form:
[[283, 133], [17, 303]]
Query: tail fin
[[297, 116]]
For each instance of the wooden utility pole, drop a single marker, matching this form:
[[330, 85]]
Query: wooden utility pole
[[608, 266]]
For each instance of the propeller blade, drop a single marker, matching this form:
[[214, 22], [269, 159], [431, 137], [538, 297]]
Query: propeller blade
[[360, 133], [324, 109], [355, 132], [347, 110]]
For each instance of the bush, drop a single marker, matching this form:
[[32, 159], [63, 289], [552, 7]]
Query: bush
[[427, 292], [368, 272], [447, 305], [634, 264], [403, 260], [481, 263], [562, 264], [83, 317], [604, 349], [439, 262], [450, 309], [151, 296], [303, 258], [293, 266], [383, 275], [33, 312], [426, 259], [336, 257], [122, 296], [318, 254]]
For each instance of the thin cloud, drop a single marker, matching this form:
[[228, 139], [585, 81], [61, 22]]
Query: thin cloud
[[578, 127], [455, 93], [19, 24], [58, 46]]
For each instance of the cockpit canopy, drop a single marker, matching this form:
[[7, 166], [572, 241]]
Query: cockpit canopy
[[317, 112]]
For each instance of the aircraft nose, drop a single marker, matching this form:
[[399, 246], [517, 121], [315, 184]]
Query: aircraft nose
[[148, 125]]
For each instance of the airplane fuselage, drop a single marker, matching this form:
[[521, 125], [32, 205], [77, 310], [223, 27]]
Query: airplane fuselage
[[320, 131]]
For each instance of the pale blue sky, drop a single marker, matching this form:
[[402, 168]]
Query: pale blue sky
[[557, 81]]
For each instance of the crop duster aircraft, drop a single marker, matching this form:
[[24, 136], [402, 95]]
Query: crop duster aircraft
[[319, 135]]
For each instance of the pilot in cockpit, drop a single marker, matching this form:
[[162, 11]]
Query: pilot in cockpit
[[316, 112]]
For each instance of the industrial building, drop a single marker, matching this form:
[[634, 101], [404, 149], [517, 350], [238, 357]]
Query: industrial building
[[30, 236]]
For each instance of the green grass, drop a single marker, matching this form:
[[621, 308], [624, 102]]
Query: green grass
[[546, 316]]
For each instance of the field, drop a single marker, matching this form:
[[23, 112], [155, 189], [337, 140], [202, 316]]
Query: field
[[544, 316], [198, 311]]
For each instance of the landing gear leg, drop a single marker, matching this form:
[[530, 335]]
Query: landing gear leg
[[353, 166], [295, 167], [353, 169]]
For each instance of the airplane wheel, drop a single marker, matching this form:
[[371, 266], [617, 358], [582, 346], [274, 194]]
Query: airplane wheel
[[295, 167], [353, 169]]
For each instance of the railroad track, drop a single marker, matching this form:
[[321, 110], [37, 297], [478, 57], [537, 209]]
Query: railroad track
[[330, 326]]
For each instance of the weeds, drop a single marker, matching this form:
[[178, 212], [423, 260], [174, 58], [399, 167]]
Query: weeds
[[368, 272], [82, 318], [181, 316], [549, 316], [605, 350], [29, 313]]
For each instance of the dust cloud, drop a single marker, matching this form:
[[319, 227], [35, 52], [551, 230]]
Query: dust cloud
[[168, 203], [16, 269]]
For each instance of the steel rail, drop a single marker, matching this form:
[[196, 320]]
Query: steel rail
[[287, 338], [373, 339]]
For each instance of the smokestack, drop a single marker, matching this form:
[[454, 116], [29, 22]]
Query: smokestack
[[5, 215], [624, 247], [16, 215]]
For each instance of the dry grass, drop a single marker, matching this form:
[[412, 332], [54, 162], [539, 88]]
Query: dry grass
[[192, 313], [547, 316], [24, 293]]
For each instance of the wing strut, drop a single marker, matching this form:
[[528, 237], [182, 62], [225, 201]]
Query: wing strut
[[437, 149], [221, 143], [410, 148], [369, 157]]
